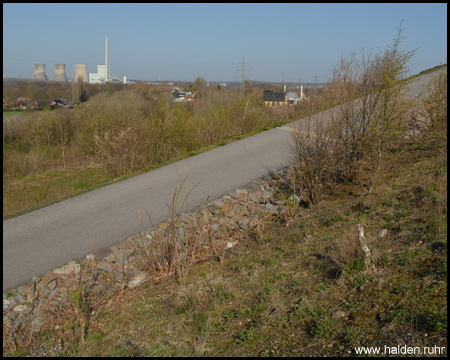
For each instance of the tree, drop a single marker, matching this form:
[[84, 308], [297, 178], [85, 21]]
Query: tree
[[79, 91], [384, 128], [63, 134], [358, 131], [435, 104], [199, 82]]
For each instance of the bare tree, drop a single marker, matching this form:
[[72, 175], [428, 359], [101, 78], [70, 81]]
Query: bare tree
[[369, 119], [313, 144]]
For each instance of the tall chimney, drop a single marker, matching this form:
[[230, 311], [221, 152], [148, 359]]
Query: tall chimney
[[106, 61]]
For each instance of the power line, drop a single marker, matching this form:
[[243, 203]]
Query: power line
[[316, 86]]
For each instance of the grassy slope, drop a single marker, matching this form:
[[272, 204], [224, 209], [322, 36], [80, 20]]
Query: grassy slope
[[281, 295]]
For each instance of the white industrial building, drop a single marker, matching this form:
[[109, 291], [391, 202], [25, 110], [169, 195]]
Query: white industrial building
[[99, 77]]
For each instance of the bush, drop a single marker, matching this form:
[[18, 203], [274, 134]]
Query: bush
[[113, 130], [435, 103], [357, 132]]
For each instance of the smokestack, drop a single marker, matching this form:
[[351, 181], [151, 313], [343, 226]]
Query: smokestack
[[60, 73], [106, 61], [39, 72], [81, 70]]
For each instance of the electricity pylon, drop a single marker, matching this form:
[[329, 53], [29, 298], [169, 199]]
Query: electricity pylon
[[243, 70]]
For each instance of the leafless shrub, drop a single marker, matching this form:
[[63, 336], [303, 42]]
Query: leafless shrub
[[345, 250], [435, 103], [358, 130], [71, 313], [416, 120], [119, 150], [174, 248], [260, 228], [19, 164], [13, 127], [313, 142], [80, 292], [15, 339]]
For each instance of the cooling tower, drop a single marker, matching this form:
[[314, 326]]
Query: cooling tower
[[39, 72], [81, 70], [60, 73]]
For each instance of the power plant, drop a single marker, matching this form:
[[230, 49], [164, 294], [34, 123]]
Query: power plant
[[81, 70], [102, 76], [60, 73], [39, 72]]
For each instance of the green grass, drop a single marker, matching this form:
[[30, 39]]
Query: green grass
[[34, 191]]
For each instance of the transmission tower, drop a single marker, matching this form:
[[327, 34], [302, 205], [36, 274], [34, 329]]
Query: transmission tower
[[316, 90], [243, 70]]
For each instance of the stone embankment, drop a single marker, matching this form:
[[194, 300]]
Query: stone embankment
[[238, 210]]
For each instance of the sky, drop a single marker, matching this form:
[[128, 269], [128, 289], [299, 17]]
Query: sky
[[290, 42]]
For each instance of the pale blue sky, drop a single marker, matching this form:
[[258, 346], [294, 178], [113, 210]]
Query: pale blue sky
[[184, 41]]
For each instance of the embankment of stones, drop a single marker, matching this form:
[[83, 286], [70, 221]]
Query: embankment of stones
[[117, 266]]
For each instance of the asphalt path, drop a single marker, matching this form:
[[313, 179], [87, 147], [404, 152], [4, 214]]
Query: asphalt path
[[48, 238]]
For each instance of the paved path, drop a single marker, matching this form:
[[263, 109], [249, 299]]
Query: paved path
[[45, 239]]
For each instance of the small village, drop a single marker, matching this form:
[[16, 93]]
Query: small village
[[25, 103], [270, 98]]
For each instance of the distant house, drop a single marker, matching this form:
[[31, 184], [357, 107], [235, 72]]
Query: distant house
[[182, 96], [272, 98], [24, 103], [292, 98], [62, 103], [21, 103], [30, 105], [56, 102]]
